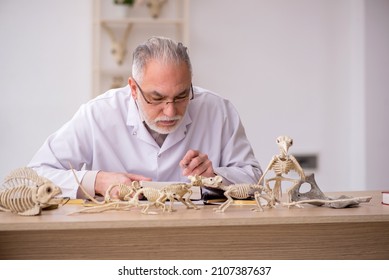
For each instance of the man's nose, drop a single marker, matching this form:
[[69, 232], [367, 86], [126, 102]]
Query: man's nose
[[169, 109]]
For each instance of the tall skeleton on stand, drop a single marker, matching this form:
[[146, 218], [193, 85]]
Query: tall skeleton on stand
[[282, 164]]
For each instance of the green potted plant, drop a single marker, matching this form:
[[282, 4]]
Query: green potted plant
[[124, 2], [123, 7]]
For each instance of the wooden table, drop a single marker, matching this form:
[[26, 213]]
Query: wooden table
[[309, 233]]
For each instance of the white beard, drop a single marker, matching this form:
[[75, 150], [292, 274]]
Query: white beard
[[153, 124]]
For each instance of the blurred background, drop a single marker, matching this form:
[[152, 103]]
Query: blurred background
[[316, 70]]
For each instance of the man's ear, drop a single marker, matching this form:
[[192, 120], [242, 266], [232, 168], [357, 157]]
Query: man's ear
[[133, 87]]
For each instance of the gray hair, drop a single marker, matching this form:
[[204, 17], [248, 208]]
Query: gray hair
[[163, 49]]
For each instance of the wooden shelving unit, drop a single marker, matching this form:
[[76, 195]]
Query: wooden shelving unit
[[107, 73]]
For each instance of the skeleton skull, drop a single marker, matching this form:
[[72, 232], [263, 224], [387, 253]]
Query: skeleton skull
[[206, 182], [284, 143], [46, 194]]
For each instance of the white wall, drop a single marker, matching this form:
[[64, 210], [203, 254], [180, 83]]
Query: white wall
[[377, 93], [290, 67], [45, 72]]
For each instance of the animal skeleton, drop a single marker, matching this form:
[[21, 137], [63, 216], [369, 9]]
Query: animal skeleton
[[152, 195], [155, 197], [282, 164], [124, 193], [244, 191], [177, 191], [118, 47], [26, 193]]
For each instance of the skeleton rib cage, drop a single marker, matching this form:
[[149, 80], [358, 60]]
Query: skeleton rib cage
[[18, 199], [18, 190]]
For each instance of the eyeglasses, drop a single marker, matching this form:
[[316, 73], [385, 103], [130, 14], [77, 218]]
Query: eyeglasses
[[181, 98]]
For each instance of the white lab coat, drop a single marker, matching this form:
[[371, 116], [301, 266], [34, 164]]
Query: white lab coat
[[107, 134]]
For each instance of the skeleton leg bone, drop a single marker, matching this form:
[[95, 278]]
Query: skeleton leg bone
[[277, 190], [257, 197], [146, 207], [118, 205], [188, 202], [226, 204]]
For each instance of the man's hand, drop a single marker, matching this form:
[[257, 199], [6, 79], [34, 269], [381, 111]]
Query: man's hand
[[196, 163], [106, 179]]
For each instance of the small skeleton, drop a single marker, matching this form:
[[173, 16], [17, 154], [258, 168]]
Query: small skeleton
[[152, 195], [179, 191], [124, 191], [244, 191], [118, 47], [26, 193], [282, 164], [155, 197]]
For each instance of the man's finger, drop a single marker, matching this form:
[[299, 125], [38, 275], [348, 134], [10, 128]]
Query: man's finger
[[136, 177]]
